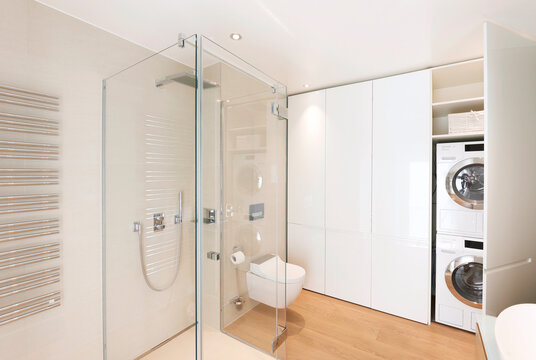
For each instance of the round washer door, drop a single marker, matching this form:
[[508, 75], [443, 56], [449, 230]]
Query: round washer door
[[464, 279], [465, 183]]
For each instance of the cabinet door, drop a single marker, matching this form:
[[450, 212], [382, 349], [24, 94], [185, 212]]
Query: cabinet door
[[348, 266], [348, 191], [348, 157], [510, 170], [306, 158], [306, 248], [401, 196], [306, 186]]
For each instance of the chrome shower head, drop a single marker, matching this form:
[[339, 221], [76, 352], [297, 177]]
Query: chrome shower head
[[186, 78]]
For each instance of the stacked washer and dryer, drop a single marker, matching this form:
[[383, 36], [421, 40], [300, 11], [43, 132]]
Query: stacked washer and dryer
[[459, 233]]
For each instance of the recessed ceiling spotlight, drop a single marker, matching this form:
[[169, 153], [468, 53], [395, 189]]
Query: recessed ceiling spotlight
[[306, 85], [235, 36]]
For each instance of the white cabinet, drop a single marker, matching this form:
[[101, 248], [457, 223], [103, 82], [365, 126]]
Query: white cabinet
[[509, 197], [401, 196], [348, 191], [360, 192], [306, 158], [348, 157], [348, 266], [306, 186], [306, 248]]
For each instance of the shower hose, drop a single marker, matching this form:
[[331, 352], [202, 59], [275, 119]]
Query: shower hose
[[139, 229]]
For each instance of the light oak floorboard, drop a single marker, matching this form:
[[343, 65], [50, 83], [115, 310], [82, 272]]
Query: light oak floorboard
[[321, 327]]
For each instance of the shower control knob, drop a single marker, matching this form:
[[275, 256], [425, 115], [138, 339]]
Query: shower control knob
[[158, 222]]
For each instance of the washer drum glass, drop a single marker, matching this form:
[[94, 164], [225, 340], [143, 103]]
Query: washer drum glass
[[464, 280], [465, 183]]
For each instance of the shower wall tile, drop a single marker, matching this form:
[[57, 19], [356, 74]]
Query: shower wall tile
[[140, 116], [254, 146], [48, 51]]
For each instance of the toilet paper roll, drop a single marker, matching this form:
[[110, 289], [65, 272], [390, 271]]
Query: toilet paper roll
[[238, 257]]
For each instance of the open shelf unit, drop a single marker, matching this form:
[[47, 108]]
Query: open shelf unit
[[246, 139], [253, 150], [456, 88], [248, 129], [442, 109]]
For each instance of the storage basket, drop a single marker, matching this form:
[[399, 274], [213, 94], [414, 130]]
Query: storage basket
[[468, 122]]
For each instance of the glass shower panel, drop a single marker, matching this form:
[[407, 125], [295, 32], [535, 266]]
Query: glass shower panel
[[243, 165], [149, 208]]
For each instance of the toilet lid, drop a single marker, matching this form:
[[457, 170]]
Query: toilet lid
[[275, 266]]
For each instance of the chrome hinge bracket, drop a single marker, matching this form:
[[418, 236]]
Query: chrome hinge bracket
[[281, 115], [213, 255], [279, 339], [181, 40], [209, 216]]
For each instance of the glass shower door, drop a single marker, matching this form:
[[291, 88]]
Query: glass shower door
[[149, 207], [243, 182], [195, 201]]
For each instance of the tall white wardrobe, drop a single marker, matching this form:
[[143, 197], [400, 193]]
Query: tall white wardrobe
[[360, 176], [359, 192]]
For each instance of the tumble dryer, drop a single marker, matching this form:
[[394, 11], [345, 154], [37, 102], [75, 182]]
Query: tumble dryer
[[460, 188]]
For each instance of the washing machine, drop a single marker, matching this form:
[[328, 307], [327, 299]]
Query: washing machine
[[460, 188], [459, 273]]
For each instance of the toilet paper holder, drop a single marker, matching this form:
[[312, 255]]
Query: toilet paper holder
[[237, 256]]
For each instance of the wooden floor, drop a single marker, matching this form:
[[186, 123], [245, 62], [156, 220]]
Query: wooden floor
[[324, 328]]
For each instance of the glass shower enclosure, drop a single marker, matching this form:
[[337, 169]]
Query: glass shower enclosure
[[194, 208]]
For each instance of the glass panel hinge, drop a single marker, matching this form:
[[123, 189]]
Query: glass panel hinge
[[181, 40], [279, 339]]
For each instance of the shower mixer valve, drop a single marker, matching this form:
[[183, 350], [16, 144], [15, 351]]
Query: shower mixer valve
[[158, 222]]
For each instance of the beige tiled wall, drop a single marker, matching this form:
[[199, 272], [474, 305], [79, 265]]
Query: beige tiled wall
[[150, 158], [47, 51], [254, 145], [44, 50]]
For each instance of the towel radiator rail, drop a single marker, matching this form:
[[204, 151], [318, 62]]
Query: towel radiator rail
[[29, 221]]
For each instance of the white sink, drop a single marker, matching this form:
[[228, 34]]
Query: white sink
[[515, 332]]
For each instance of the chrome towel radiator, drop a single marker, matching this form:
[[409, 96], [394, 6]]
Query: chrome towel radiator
[[30, 267]]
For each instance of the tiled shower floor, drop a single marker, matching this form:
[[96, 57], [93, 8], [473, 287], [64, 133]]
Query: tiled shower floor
[[216, 346]]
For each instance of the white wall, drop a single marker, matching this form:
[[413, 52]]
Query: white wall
[[509, 201], [45, 50]]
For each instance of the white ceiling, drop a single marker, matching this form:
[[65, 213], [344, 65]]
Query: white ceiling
[[321, 43]]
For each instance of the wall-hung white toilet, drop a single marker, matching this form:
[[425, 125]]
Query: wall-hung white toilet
[[266, 281]]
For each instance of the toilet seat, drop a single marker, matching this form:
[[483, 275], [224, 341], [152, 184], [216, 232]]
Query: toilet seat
[[269, 270], [274, 268]]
